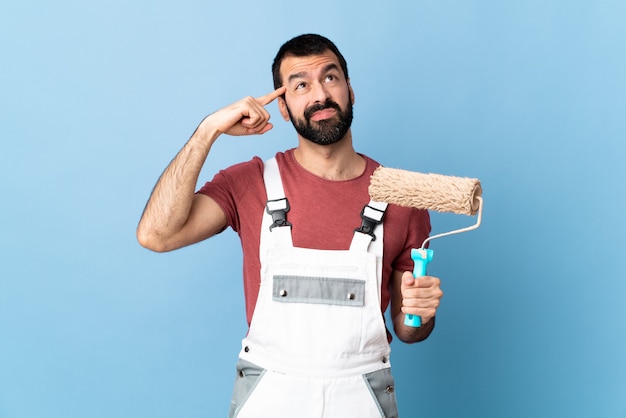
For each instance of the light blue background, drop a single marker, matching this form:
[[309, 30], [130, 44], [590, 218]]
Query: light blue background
[[96, 98]]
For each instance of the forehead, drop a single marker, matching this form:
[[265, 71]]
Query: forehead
[[311, 64]]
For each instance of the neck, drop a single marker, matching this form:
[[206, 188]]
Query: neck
[[338, 161]]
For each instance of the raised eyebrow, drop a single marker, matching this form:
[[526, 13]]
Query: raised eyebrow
[[304, 74], [301, 74], [329, 68]]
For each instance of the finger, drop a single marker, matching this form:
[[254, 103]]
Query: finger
[[422, 291], [260, 131], [270, 97], [427, 281], [255, 120], [255, 115], [266, 128], [420, 303]]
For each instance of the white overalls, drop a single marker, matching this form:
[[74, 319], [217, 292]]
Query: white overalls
[[317, 344]]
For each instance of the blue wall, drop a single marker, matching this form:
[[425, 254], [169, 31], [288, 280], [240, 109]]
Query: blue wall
[[97, 98]]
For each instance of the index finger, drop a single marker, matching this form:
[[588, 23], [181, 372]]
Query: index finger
[[270, 97]]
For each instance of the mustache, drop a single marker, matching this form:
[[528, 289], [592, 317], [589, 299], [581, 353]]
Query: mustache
[[329, 104]]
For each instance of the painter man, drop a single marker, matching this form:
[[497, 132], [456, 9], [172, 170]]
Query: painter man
[[322, 262]]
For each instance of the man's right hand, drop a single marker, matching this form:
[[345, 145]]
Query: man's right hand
[[174, 216], [248, 116]]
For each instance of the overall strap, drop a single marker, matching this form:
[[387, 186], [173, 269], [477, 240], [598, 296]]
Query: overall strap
[[277, 204], [371, 228]]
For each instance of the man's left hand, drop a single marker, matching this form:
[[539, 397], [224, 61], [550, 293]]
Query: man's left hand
[[420, 296]]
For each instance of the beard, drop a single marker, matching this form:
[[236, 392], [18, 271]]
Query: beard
[[327, 131]]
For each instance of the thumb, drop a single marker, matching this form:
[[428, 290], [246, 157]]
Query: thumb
[[267, 127], [408, 280]]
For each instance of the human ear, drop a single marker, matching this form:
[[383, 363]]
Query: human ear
[[282, 107], [351, 92]]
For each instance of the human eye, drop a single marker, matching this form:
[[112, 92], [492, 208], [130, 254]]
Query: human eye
[[330, 78], [299, 85]]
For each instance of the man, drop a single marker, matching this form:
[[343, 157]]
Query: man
[[321, 262]]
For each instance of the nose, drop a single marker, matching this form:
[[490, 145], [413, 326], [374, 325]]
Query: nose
[[319, 93]]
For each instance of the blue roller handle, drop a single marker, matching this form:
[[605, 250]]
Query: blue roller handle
[[421, 257]]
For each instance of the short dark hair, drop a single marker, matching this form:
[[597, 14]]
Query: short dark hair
[[304, 46]]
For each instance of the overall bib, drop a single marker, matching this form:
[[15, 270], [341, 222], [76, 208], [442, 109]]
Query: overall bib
[[317, 344]]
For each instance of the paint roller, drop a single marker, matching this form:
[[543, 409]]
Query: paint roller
[[436, 192]]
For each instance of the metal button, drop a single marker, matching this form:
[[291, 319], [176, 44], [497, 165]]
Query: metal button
[[282, 293], [384, 359], [389, 389], [351, 296]]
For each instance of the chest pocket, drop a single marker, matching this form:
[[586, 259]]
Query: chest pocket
[[318, 290]]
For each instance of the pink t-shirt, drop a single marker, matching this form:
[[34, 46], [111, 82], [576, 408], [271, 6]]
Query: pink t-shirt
[[324, 214]]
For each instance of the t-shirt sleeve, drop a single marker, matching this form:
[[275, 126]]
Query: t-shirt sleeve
[[229, 187], [418, 230]]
